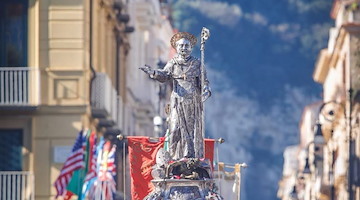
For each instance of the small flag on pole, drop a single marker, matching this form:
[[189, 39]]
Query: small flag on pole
[[91, 161], [73, 162]]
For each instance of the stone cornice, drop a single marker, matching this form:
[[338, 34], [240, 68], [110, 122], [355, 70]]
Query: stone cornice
[[145, 15], [352, 27], [68, 109], [337, 47], [321, 66]]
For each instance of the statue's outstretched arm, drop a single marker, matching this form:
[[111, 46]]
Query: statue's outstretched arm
[[147, 69], [161, 75]]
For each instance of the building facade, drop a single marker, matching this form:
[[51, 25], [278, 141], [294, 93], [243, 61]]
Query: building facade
[[328, 165], [69, 65]]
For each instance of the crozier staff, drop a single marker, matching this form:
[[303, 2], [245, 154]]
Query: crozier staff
[[187, 97]]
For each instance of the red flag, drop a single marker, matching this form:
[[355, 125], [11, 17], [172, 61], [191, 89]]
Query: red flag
[[68, 195], [91, 159], [142, 153], [209, 150]]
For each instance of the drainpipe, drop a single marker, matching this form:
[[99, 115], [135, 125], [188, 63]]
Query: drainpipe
[[350, 173], [91, 50], [349, 128]]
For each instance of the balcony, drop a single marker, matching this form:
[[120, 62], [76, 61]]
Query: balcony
[[17, 185], [104, 98], [19, 87], [348, 12]]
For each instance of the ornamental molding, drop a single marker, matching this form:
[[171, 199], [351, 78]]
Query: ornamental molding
[[147, 14]]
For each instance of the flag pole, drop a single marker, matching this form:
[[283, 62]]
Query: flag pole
[[124, 169], [123, 137], [205, 34]]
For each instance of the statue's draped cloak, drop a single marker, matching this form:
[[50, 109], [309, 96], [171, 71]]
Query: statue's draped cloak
[[185, 138]]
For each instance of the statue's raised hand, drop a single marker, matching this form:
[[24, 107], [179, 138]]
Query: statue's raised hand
[[147, 69], [205, 94]]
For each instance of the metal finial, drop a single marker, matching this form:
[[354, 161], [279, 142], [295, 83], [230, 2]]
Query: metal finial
[[221, 140], [205, 34], [120, 137]]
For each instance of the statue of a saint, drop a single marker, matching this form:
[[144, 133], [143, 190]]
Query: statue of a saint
[[186, 103]]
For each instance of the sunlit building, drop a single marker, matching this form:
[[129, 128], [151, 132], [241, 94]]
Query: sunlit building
[[287, 183], [329, 156], [68, 65]]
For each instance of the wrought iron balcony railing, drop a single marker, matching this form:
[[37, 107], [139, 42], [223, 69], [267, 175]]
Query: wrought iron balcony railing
[[19, 86]]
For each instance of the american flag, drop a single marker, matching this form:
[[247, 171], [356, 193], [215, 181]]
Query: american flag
[[73, 162]]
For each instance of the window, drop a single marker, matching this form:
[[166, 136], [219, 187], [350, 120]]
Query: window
[[13, 33], [11, 142]]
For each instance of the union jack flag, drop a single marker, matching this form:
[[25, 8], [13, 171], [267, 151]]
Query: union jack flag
[[74, 162], [105, 186], [107, 168]]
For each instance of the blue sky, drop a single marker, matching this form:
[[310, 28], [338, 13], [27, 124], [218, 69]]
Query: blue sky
[[260, 59]]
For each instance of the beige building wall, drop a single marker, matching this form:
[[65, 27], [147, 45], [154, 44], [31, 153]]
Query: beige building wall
[[67, 48], [59, 92], [65, 75]]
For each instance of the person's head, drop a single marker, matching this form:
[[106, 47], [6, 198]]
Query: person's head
[[183, 47], [183, 42]]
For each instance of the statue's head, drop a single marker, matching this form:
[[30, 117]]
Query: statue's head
[[183, 42]]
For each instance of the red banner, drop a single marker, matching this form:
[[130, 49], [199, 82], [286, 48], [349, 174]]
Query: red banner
[[142, 154]]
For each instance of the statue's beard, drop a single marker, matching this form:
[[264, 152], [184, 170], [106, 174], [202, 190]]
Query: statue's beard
[[184, 53]]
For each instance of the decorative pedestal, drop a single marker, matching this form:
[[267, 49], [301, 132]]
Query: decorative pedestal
[[183, 189], [184, 179]]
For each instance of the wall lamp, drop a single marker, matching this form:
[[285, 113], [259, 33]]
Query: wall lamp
[[307, 167], [293, 194], [124, 18], [117, 6], [129, 29]]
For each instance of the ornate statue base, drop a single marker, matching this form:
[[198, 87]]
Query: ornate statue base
[[183, 180], [183, 189]]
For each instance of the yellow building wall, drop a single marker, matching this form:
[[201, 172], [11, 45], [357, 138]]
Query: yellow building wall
[[59, 48], [64, 69], [51, 130]]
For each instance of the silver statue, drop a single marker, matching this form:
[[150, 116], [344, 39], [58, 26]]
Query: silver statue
[[190, 90]]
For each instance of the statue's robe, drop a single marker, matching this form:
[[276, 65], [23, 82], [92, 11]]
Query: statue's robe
[[185, 139]]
